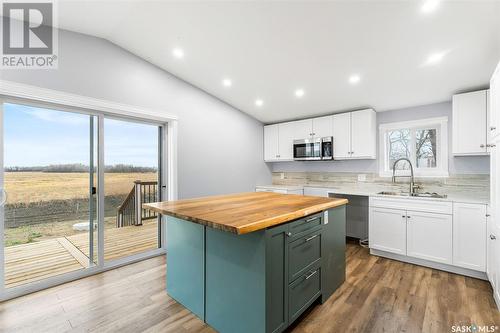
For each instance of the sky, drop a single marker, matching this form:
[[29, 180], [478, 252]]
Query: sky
[[40, 137]]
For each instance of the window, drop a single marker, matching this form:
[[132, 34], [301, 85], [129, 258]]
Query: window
[[423, 142]]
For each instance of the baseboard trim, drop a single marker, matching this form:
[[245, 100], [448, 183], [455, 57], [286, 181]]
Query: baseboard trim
[[435, 265]]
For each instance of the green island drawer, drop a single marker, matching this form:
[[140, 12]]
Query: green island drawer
[[304, 225], [303, 292], [304, 253]]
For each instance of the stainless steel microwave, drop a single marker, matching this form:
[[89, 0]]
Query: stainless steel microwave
[[314, 149]]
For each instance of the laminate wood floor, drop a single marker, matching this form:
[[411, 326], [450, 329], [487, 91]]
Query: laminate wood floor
[[379, 295]]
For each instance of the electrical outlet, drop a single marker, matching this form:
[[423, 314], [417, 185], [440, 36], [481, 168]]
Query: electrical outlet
[[282, 175], [362, 177]]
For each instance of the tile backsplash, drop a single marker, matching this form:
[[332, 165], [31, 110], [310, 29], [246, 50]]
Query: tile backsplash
[[459, 182]]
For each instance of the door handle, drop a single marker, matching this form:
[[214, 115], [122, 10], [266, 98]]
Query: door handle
[[492, 128], [481, 146], [289, 234], [312, 219], [493, 237], [311, 238], [308, 276]]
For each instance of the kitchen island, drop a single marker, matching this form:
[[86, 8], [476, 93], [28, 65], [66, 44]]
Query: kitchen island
[[253, 262]]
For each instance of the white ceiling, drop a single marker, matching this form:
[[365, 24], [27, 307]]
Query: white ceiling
[[270, 49]]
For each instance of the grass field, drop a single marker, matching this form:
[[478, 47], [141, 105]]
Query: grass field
[[38, 192], [29, 187]]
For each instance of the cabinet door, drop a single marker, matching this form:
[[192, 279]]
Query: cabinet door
[[286, 137], [387, 229], [494, 126], [342, 136], [363, 134], [429, 236], [271, 143], [322, 126], [276, 278], [493, 257], [302, 129], [469, 236], [469, 123]]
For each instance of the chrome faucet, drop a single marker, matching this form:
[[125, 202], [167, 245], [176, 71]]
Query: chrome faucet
[[413, 187]]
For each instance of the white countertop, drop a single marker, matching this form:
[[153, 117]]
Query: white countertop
[[282, 187], [460, 194]]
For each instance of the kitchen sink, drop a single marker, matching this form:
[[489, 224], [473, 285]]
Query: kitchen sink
[[418, 195]]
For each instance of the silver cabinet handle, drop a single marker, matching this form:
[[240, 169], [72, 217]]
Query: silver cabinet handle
[[488, 215], [289, 234], [481, 146], [492, 145], [492, 128], [409, 217], [312, 219], [308, 276], [404, 216], [493, 237], [311, 238]]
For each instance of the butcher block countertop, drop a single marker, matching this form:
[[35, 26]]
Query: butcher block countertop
[[245, 212]]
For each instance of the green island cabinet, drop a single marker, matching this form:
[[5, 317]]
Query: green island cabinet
[[260, 281]]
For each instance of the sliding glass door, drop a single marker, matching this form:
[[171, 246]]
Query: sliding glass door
[[48, 177], [75, 183], [131, 178]]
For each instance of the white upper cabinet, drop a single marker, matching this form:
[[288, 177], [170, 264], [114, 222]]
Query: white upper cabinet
[[271, 143], [322, 126], [363, 134], [470, 126], [469, 236], [286, 136], [342, 136], [302, 129], [278, 142], [355, 135], [494, 119]]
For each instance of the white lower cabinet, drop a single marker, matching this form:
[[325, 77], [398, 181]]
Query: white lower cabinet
[[453, 234], [469, 236], [429, 236], [388, 230]]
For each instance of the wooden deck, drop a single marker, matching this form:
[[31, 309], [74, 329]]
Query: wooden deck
[[27, 263]]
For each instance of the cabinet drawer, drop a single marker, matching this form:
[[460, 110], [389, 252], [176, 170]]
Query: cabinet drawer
[[414, 204], [303, 291], [305, 225], [304, 253]]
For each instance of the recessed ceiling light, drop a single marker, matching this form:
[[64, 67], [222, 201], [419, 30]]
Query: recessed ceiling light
[[227, 83], [259, 102], [178, 53], [299, 93], [355, 78], [435, 58], [430, 6]]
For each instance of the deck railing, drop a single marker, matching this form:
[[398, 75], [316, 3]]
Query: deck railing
[[130, 212]]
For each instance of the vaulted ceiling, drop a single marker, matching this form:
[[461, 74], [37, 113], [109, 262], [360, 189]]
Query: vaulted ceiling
[[269, 50]]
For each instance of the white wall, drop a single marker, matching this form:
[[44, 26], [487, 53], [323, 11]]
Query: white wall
[[220, 149], [456, 165]]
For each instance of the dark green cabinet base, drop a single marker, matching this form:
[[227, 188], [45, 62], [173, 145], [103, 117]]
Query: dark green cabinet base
[[262, 281]]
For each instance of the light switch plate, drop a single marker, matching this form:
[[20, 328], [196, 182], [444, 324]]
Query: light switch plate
[[325, 219]]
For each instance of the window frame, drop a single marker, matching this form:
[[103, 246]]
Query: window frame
[[441, 126]]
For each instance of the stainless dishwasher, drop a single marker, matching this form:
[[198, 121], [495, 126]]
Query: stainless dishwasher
[[356, 215]]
